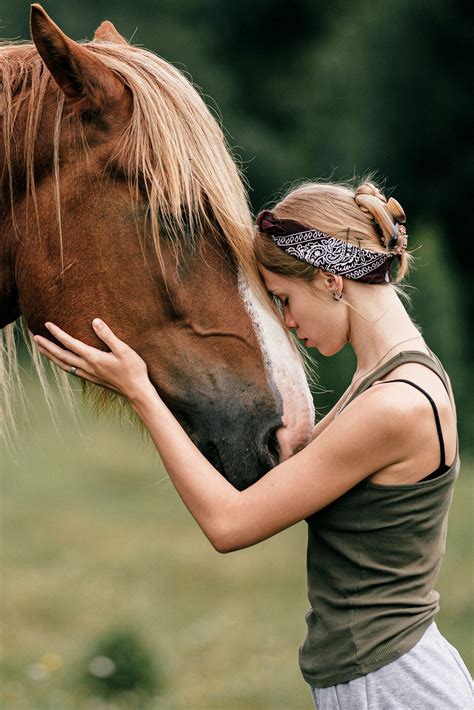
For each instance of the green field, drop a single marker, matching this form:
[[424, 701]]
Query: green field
[[94, 537]]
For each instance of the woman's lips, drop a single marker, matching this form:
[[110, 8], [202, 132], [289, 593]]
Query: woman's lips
[[304, 339]]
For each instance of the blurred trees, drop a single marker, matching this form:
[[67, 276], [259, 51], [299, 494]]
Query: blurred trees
[[311, 89]]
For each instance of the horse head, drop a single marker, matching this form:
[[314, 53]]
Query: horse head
[[121, 200]]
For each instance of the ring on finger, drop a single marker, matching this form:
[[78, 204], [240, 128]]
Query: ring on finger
[[72, 370]]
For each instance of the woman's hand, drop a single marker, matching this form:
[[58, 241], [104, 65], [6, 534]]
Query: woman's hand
[[122, 369]]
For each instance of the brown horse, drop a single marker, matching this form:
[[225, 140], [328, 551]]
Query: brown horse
[[120, 200]]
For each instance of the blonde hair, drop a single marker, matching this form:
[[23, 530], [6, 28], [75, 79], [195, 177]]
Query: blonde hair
[[358, 213]]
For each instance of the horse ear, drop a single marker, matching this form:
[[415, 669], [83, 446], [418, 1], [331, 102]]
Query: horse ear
[[79, 73], [106, 32]]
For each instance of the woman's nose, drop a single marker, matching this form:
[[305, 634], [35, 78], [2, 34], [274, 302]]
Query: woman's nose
[[288, 318]]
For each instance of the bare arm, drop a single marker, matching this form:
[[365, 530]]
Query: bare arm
[[347, 452], [357, 444]]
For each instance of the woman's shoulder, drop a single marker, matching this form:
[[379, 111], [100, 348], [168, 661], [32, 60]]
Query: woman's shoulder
[[421, 410], [389, 398], [432, 383], [417, 394]]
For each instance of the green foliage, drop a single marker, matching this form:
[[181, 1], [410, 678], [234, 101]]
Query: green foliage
[[437, 307], [119, 662]]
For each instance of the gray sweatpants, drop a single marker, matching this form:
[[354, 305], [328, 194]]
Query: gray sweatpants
[[431, 676]]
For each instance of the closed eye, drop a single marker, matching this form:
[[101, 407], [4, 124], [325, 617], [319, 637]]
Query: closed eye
[[280, 304]]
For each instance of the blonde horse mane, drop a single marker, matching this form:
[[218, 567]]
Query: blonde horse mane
[[192, 184], [193, 187]]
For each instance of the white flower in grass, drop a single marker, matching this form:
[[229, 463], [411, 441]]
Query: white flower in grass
[[101, 667], [38, 671]]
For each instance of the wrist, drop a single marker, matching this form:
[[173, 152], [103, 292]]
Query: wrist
[[142, 394]]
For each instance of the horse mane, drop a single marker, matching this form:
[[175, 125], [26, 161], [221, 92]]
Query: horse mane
[[172, 148], [192, 184]]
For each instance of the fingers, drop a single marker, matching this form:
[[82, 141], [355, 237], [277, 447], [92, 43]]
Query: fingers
[[106, 334], [65, 365], [76, 346], [46, 347], [118, 370]]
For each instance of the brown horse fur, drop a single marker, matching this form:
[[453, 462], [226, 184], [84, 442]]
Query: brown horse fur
[[120, 200]]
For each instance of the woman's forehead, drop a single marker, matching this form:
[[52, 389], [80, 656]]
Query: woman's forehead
[[273, 282]]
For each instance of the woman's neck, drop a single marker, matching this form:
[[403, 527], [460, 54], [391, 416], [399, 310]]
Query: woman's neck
[[379, 328]]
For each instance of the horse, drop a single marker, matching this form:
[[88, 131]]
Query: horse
[[120, 198]]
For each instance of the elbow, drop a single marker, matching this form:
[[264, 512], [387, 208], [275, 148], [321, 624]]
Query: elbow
[[226, 532], [221, 547], [224, 540], [222, 544]]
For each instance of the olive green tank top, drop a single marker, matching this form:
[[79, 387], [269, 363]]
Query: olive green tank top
[[373, 557]]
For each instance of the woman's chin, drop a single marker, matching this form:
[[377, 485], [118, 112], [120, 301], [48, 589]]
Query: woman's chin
[[326, 350], [311, 345], [329, 351]]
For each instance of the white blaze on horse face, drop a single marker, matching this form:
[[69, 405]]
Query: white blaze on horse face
[[285, 373]]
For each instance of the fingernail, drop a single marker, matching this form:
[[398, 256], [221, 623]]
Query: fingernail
[[97, 323], [47, 324]]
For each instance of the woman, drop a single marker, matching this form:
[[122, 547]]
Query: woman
[[376, 481]]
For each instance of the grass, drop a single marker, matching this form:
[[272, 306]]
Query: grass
[[94, 537]]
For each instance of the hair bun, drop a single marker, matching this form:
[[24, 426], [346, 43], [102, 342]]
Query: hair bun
[[369, 188], [396, 210], [374, 203]]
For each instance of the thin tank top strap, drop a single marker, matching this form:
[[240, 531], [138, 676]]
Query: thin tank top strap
[[430, 361], [436, 416]]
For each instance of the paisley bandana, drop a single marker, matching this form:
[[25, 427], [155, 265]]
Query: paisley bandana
[[330, 253]]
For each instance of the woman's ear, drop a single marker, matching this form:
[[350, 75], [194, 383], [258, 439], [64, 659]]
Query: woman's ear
[[331, 283]]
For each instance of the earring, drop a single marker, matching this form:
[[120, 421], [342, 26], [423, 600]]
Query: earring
[[337, 295]]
